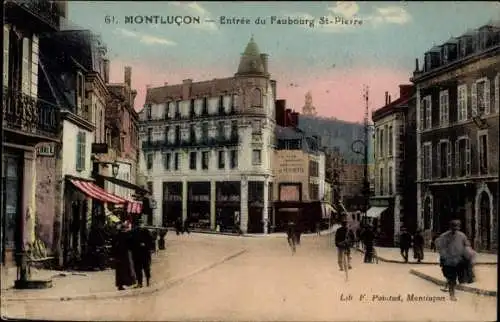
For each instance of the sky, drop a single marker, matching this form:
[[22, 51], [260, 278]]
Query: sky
[[333, 61]]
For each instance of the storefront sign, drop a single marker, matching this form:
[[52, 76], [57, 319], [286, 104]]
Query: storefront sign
[[290, 162]]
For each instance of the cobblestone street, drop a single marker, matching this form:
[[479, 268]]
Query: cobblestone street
[[267, 283]]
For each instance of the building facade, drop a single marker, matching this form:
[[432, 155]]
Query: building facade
[[122, 132], [28, 121], [206, 147], [457, 136], [387, 204]]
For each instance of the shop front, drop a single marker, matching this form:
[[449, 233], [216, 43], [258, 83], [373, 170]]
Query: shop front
[[289, 205], [380, 216], [198, 208], [172, 203], [255, 207], [11, 196], [227, 203]]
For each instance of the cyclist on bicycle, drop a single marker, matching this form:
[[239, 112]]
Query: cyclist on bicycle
[[291, 234], [343, 243]]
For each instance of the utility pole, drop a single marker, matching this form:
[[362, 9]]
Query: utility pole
[[366, 181]]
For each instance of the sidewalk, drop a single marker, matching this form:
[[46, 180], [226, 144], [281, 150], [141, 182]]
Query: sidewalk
[[271, 235], [183, 258], [393, 255], [485, 284]]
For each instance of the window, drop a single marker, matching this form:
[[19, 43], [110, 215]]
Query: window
[[390, 180], [176, 161], [222, 160], [80, 90], [313, 168], [149, 161], [204, 130], [389, 138], [234, 159], [167, 130], [166, 161], [444, 159], [150, 134], [462, 103], [256, 98], [483, 153], [480, 97], [425, 113], [427, 161], [462, 156], [256, 127], [234, 128], [313, 191], [381, 143], [205, 158], [221, 104], [497, 93], [256, 157], [192, 160], [220, 130], [177, 109], [192, 132], [443, 108], [80, 151], [191, 108], [381, 182]]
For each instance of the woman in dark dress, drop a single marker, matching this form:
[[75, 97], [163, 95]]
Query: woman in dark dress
[[368, 240], [124, 268], [418, 246]]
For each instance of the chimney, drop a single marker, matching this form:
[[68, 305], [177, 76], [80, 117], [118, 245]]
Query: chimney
[[128, 76], [386, 98], [188, 81], [264, 58], [280, 111], [106, 71], [416, 65], [405, 90], [389, 102]]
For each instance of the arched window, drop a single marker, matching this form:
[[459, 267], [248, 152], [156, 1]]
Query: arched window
[[427, 213], [256, 98]]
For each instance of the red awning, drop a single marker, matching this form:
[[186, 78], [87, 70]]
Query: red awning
[[134, 207], [95, 192]]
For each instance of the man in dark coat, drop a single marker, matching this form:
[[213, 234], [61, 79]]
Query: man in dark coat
[[418, 246], [368, 242], [142, 246], [343, 244], [124, 270], [404, 243]]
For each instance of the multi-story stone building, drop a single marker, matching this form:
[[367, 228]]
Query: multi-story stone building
[[28, 121], [122, 134], [457, 137], [391, 184], [207, 147]]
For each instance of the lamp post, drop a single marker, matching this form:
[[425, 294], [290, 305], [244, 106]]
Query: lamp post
[[361, 147]]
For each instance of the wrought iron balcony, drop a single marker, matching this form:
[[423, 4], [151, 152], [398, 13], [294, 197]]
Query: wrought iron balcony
[[191, 143], [30, 116], [39, 15]]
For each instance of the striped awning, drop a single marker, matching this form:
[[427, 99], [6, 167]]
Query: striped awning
[[134, 207], [95, 192]]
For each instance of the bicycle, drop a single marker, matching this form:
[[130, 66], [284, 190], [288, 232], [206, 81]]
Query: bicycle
[[291, 242], [345, 264]]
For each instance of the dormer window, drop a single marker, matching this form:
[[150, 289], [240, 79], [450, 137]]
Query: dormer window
[[483, 41], [427, 62], [445, 54], [463, 48]]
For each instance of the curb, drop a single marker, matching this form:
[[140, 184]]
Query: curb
[[460, 287], [394, 261], [130, 292], [272, 235]]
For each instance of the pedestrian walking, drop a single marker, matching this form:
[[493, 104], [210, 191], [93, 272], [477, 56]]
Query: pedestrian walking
[[433, 242], [404, 243], [124, 268], [368, 242], [178, 226], [318, 229], [185, 228], [453, 246], [418, 246], [142, 246], [358, 236], [342, 242]]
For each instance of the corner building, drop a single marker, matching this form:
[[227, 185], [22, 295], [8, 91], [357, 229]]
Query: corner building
[[206, 148]]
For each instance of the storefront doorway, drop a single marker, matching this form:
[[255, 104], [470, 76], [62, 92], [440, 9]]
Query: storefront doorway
[[198, 209], [485, 220], [11, 196], [172, 203], [228, 196], [255, 207]]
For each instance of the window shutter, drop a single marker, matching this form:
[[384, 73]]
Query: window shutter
[[457, 158], [6, 32], [467, 156], [34, 66], [497, 93], [83, 142], [26, 70], [466, 102], [447, 108], [487, 97], [430, 161], [474, 99], [78, 151], [438, 157], [448, 159], [428, 116]]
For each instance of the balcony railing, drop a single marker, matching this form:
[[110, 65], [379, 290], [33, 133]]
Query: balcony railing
[[46, 11], [203, 143], [30, 115]]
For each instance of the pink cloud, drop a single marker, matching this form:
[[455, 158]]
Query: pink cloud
[[337, 93]]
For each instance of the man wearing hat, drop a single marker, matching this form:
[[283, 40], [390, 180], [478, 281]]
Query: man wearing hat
[[142, 246], [343, 244]]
